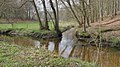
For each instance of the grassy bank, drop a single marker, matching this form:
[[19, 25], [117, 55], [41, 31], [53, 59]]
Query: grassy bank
[[19, 56]]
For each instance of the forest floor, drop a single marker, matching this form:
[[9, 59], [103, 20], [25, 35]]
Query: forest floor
[[109, 28]]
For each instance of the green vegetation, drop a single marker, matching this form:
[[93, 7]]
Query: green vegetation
[[69, 63], [24, 25], [15, 55], [99, 19], [84, 34], [33, 26], [115, 41]]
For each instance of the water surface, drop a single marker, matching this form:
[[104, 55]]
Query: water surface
[[103, 56]]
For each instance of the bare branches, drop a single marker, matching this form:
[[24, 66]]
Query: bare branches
[[80, 24], [23, 4]]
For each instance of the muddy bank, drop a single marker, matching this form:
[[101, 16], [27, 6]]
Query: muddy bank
[[33, 34]]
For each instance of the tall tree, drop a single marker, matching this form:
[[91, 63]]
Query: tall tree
[[45, 14], [68, 1], [40, 22], [57, 11], [101, 9], [84, 14], [56, 25]]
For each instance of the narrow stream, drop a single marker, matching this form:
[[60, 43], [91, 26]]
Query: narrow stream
[[103, 56]]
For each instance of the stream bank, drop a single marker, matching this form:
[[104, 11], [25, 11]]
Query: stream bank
[[89, 38]]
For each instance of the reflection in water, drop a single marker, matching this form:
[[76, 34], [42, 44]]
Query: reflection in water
[[66, 51], [51, 46], [24, 41], [106, 57]]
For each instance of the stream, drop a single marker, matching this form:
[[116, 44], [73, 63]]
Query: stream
[[103, 56]]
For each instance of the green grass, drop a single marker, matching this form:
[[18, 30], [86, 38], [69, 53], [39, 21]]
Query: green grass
[[5, 26], [19, 56], [33, 26], [24, 25], [29, 26]]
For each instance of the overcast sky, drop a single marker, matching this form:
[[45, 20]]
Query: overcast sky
[[39, 4]]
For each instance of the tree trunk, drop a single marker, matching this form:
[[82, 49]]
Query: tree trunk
[[56, 25], [118, 8], [101, 9], [57, 11], [84, 17], [29, 14], [45, 13], [114, 13], [68, 1], [40, 22]]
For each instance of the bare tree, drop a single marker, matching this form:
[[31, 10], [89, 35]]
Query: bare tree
[[40, 22], [68, 1], [45, 13], [57, 10], [56, 25]]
